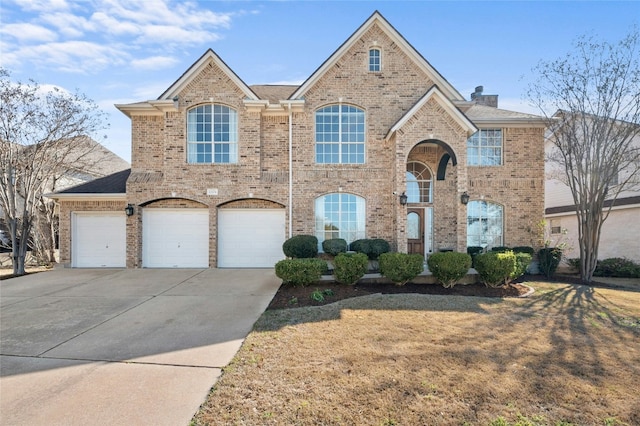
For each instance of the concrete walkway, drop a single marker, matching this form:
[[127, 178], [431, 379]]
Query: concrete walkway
[[107, 347]]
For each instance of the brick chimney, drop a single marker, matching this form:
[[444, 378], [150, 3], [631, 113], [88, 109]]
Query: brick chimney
[[480, 99]]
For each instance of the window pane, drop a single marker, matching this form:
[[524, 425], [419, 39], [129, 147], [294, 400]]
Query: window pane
[[212, 134], [339, 215], [484, 224], [484, 148], [339, 135]]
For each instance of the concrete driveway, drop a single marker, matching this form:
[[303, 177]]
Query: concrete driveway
[[113, 346]]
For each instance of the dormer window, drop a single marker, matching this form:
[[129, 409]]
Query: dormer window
[[374, 60]]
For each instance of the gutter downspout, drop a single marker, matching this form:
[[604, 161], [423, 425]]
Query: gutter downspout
[[290, 171]]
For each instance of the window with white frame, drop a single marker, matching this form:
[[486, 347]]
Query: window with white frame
[[374, 60], [340, 135], [212, 134], [419, 183], [340, 215], [484, 224], [484, 148], [555, 226]]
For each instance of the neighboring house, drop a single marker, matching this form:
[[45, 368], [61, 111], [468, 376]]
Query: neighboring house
[[619, 235], [89, 161], [222, 172]]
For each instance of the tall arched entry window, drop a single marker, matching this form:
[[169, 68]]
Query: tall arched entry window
[[484, 224], [419, 215], [419, 183]]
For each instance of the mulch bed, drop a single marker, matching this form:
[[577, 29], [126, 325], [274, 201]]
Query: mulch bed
[[295, 297]]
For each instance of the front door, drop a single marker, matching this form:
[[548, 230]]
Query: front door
[[415, 231]]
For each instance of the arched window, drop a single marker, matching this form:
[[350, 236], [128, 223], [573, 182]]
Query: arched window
[[374, 60], [484, 224], [212, 134], [340, 135], [340, 215], [419, 183]]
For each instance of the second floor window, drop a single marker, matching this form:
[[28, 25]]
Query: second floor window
[[484, 148], [340, 135], [374, 60], [212, 134]]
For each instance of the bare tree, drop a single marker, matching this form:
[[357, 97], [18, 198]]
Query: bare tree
[[591, 97], [42, 137]]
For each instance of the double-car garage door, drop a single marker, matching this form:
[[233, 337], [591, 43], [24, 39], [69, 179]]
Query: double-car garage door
[[179, 238]]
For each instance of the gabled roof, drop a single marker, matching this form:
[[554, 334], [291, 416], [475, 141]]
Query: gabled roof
[[208, 57], [112, 185], [435, 93], [377, 19], [165, 101]]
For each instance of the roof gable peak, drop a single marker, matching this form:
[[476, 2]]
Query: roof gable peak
[[208, 57], [376, 18]]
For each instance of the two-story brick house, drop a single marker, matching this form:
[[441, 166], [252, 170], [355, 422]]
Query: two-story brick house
[[374, 144]]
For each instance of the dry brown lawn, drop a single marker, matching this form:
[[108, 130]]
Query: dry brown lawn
[[569, 354]]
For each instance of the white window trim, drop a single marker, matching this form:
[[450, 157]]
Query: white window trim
[[233, 156], [479, 147], [340, 142], [379, 50]]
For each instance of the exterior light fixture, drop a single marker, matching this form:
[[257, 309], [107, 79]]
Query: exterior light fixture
[[403, 199], [464, 198], [129, 210]]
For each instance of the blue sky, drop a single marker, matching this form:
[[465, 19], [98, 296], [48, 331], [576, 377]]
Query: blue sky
[[121, 51]]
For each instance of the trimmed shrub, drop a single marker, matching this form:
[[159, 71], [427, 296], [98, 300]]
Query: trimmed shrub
[[301, 247], [549, 259], [495, 269], [450, 267], [350, 267], [373, 248], [401, 267], [619, 267], [500, 249], [300, 272], [473, 251], [334, 246], [522, 263], [524, 249], [377, 246], [574, 263]]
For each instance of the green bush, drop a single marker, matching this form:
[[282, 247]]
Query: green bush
[[473, 251], [574, 263], [500, 249], [524, 249], [495, 269], [350, 267], [522, 263], [549, 259], [334, 246], [450, 267], [301, 247], [401, 267], [619, 267], [373, 248], [300, 272]]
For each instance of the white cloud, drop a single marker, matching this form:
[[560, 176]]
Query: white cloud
[[88, 36], [153, 62], [25, 32], [71, 56]]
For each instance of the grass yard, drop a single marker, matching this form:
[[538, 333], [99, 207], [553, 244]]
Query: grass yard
[[569, 354]]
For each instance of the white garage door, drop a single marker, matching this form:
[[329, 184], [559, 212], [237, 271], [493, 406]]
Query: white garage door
[[99, 240], [175, 238], [250, 238]]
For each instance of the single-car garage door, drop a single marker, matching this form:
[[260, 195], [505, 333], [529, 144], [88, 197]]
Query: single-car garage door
[[250, 238], [99, 240], [175, 238]]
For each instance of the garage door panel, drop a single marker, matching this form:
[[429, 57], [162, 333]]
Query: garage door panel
[[99, 240], [250, 238], [175, 238]]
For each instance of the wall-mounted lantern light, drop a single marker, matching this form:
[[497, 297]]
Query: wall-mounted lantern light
[[464, 198], [129, 210], [403, 199]]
